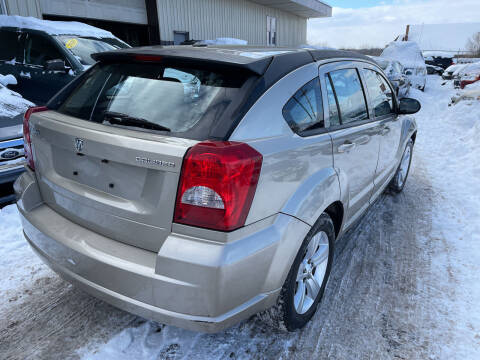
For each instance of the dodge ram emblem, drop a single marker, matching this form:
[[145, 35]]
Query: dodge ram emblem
[[79, 144]]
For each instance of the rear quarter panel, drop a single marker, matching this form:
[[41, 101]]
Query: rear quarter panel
[[297, 176]]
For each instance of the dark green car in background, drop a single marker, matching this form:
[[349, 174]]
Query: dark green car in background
[[44, 56]]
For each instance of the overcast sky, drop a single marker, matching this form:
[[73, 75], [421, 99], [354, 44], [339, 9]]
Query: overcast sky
[[374, 23]]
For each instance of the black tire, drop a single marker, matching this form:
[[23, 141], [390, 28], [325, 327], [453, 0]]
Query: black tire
[[395, 185], [283, 315]]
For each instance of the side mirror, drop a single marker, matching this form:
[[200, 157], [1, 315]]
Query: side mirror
[[409, 106], [408, 72], [55, 65]]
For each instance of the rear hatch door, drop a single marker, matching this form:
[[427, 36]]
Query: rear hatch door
[[117, 182]]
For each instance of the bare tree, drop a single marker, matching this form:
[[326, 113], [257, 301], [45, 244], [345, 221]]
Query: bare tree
[[473, 45]]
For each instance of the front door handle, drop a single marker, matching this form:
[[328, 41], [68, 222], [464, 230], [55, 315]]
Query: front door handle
[[346, 146], [362, 140]]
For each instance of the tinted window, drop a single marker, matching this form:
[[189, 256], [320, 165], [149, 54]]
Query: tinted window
[[351, 99], [9, 41], [39, 50], [332, 104], [304, 110], [379, 92], [169, 96]]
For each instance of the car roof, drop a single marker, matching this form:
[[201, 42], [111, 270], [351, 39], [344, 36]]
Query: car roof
[[252, 58]]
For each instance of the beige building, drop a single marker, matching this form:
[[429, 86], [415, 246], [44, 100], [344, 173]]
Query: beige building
[[141, 22]]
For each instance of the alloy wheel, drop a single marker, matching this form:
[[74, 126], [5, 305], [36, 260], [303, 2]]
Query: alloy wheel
[[311, 272]]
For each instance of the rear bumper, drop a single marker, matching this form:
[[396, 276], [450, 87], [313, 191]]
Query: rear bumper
[[193, 283]]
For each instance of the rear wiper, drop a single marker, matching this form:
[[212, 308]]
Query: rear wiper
[[123, 119]]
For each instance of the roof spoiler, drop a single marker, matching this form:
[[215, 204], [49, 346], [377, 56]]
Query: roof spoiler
[[257, 67]]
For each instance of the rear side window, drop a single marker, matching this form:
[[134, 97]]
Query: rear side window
[[304, 110], [179, 100], [350, 97], [380, 93], [9, 41]]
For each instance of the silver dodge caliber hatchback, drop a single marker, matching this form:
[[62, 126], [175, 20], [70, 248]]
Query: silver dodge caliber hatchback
[[197, 186]]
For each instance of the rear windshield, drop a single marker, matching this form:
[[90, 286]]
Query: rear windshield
[[173, 100]]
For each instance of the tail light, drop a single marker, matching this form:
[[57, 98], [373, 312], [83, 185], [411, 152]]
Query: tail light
[[217, 185], [27, 140]]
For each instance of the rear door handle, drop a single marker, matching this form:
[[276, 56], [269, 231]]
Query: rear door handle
[[346, 146], [385, 130]]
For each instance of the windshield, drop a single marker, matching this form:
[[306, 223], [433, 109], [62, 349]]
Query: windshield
[[171, 97], [83, 47]]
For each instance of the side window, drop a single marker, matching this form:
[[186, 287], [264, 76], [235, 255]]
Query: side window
[[9, 41], [332, 103], [304, 110], [379, 92], [350, 96], [39, 50]]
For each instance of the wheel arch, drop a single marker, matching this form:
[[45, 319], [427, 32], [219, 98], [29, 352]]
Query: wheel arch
[[336, 212], [318, 193]]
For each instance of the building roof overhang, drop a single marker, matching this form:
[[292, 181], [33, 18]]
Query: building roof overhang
[[302, 8]]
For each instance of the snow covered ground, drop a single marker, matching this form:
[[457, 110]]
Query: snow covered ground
[[405, 283]]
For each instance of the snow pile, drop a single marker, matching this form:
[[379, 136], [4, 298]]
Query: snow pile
[[450, 151], [406, 52], [6, 80], [12, 103], [54, 27], [225, 41]]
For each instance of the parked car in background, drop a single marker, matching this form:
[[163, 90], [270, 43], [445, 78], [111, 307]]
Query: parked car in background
[[199, 208], [434, 70], [12, 160], [451, 70], [468, 74], [440, 59], [46, 55], [410, 56], [395, 73]]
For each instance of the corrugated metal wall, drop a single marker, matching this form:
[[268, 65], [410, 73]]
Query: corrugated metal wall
[[23, 8], [132, 11], [209, 19]]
